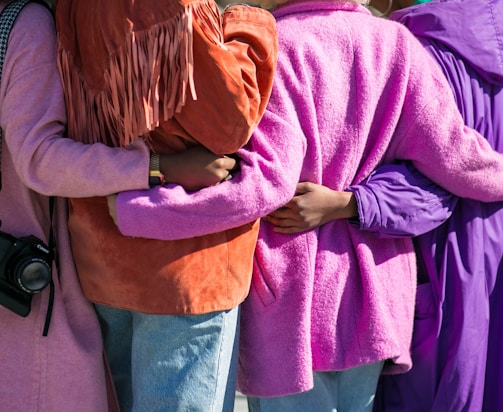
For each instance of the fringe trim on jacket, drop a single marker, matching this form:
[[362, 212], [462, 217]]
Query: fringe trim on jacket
[[129, 106]]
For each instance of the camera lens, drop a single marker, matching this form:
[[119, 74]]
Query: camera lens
[[33, 275]]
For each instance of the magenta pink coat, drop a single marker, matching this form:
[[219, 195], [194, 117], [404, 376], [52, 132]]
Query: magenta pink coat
[[351, 92]]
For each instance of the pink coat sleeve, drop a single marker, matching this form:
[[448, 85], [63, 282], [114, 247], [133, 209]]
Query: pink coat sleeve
[[33, 122], [270, 168]]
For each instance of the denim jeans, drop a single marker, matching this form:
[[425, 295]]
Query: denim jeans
[[172, 363], [352, 390]]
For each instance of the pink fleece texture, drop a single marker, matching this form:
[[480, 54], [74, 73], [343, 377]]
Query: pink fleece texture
[[351, 92]]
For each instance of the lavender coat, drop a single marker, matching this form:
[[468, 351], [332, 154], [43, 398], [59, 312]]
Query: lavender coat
[[458, 333], [64, 370], [342, 104]]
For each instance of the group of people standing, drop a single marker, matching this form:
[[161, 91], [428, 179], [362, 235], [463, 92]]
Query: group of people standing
[[298, 199]]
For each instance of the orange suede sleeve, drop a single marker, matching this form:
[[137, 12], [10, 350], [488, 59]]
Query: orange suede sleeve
[[233, 81]]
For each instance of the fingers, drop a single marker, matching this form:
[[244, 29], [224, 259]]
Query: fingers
[[230, 163], [222, 167], [303, 187], [287, 226], [288, 230], [282, 222], [282, 213], [224, 163]]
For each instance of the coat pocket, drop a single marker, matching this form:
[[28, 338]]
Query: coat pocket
[[260, 284]]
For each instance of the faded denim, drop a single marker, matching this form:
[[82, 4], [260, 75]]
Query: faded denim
[[172, 363]]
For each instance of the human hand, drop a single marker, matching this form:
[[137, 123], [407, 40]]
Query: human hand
[[312, 206], [112, 209], [196, 168]]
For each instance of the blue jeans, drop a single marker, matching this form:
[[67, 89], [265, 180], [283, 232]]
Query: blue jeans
[[352, 390], [172, 363]]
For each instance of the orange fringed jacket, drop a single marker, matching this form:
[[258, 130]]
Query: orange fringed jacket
[[178, 74]]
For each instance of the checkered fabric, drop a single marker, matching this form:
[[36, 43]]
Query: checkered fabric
[[7, 19]]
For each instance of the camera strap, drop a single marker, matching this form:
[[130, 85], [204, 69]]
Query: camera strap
[[8, 17], [52, 248]]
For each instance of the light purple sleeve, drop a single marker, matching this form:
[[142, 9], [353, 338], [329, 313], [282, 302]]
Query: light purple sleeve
[[398, 201], [33, 121], [270, 168]]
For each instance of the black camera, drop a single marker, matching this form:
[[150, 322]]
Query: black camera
[[25, 270]]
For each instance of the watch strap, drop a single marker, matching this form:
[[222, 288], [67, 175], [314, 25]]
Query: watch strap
[[155, 177]]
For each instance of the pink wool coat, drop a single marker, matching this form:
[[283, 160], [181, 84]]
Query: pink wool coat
[[64, 370], [351, 92]]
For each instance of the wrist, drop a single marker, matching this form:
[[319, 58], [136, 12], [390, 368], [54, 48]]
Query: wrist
[[351, 207], [344, 206]]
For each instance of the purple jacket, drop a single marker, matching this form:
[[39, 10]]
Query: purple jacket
[[335, 297], [458, 332]]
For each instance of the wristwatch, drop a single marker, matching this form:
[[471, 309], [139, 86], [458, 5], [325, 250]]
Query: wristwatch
[[155, 177]]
